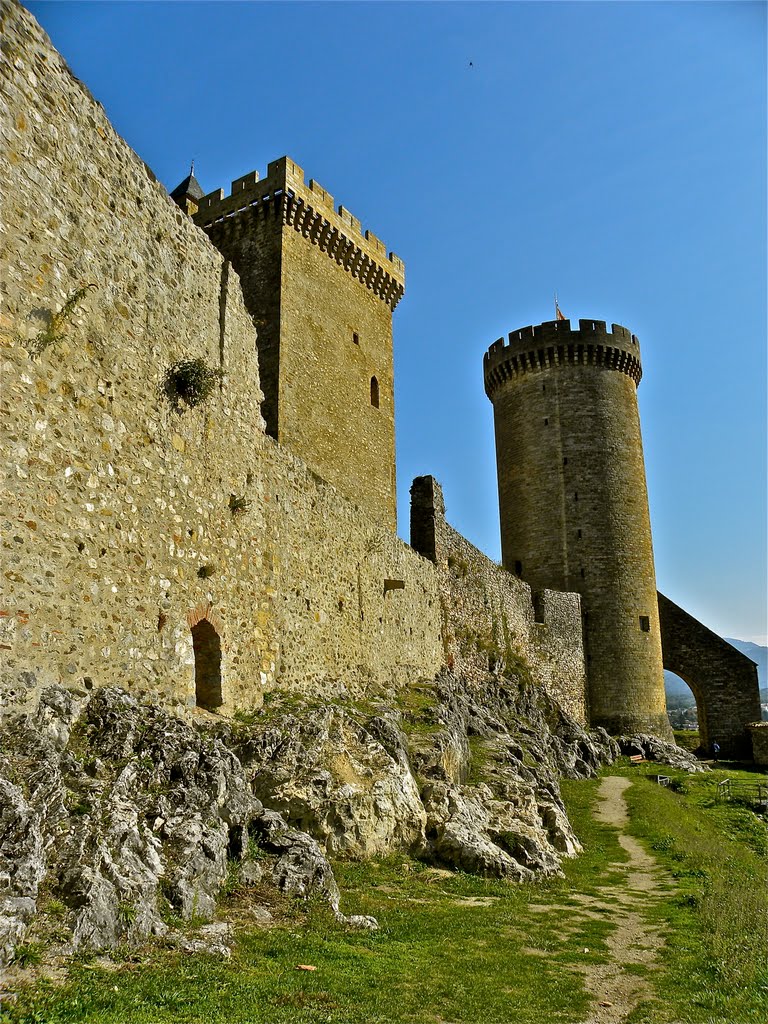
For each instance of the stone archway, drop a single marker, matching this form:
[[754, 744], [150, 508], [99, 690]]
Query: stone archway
[[701, 706], [722, 679], [206, 629]]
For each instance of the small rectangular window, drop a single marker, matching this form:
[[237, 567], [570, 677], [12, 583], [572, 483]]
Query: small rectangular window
[[355, 337], [546, 423], [645, 623], [393, 585]]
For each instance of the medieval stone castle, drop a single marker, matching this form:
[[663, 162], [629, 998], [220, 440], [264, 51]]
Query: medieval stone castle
[[198, 428]]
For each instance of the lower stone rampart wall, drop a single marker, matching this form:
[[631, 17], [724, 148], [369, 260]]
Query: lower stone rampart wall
[[491, 621], [354, 605]]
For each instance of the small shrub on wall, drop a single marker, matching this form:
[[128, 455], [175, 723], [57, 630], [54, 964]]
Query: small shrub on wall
[[189, 382], [238, 504]]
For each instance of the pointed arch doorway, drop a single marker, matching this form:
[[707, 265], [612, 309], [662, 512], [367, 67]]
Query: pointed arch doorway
[[206, 629]]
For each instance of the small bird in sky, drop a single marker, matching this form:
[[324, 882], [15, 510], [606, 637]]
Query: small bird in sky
[[471, 64]]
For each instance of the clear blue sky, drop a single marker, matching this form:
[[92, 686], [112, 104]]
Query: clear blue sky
[[613, 151]]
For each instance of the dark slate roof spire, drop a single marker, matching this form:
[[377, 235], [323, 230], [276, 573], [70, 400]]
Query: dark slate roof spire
[[189, 188]]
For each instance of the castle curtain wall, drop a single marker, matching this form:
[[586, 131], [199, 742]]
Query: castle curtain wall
[[112, 501], [117, 509], [491, 620], [127, 523]]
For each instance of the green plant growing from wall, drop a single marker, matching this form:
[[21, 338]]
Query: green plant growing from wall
[[54, 329], [458, 565], [189, 382], [374, 544], [238, 504], [206, 571]]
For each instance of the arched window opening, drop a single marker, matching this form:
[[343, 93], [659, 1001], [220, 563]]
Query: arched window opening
[[374, 393], [207, 650]]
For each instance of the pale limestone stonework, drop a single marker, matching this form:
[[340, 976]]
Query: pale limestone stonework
[[490, 621], [322, 293], [131, 530]]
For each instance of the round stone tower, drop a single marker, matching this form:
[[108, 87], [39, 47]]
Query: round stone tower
[[574, 504]]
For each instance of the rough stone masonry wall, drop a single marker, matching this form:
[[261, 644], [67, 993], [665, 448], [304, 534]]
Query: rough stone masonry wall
[[722, 679], [112, 501], [356, 607], [759, 734], [114, 504], [253, 240], [490, 620], [118, 536]]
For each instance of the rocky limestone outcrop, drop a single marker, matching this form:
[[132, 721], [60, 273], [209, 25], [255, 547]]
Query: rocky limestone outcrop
[[128, 816], [463, 776], [21, 866], [124, 814], [332, 777], [654, 749]]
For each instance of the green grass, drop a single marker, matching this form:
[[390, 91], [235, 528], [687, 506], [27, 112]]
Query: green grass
[[434, 959], [28, 954], [478, 760], [419, 706], [688, 739], [455, 948], [715, 963]]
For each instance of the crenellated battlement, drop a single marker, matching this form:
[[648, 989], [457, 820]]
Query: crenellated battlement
[[555, 342], [310, 210]]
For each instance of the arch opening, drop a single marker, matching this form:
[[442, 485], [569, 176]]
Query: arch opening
[[686, 711], [374, 393], [683, 710], [206, 645]]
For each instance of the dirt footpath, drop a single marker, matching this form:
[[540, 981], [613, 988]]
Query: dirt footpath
[[634, 942]]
